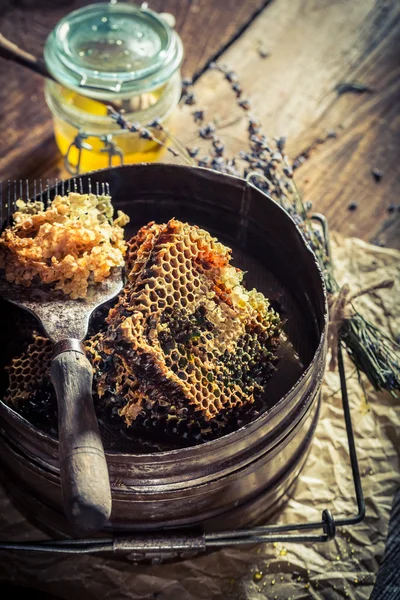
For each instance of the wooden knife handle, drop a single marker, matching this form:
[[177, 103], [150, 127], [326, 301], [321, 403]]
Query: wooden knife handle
[[11, 51], [83, 469]]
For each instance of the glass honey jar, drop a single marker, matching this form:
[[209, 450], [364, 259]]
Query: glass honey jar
[[119, 54]]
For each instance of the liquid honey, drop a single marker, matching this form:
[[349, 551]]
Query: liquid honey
[[134, 149]]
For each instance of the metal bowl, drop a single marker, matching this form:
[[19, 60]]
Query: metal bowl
[[242, 477]]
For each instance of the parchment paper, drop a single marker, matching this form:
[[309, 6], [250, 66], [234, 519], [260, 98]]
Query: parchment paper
[[345, 568]]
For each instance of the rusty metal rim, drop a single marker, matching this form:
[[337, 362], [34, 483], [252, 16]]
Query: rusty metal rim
[[291, 471], [199, 484]]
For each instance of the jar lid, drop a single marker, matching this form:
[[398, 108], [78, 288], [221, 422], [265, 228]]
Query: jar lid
[[113, 50]]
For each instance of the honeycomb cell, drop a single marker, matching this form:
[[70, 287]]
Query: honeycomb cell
[[204, 403]]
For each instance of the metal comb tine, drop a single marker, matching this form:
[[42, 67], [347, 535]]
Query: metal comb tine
[[27, 189], [80, 185], [3, 204], [56, 188], [21, 194], [103, 191], [108, 188], [48, 194], [69, 186], [41, 190], [8, 202], [75, 185], [97, 189], [63, 187], [14, 200], [89, 185]]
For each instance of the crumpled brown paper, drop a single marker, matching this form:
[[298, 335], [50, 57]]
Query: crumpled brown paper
[[343, 568]]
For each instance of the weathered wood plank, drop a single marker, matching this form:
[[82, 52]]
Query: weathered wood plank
[[27, 147], [314, 46]]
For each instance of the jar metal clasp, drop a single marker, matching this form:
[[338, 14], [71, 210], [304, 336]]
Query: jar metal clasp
[[111, 148], [78, 143]]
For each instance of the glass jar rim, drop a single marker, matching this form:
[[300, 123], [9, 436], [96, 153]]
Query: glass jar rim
[[143, 50]]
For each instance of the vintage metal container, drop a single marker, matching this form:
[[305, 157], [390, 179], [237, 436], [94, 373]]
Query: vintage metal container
[[243, 477]]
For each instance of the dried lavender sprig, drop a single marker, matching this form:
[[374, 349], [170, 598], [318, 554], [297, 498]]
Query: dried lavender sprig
[[216, 159], [145, 133], [156, 124], [372, 353], [370, 349]]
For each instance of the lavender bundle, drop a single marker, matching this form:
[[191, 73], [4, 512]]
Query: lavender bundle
[[266, 165]]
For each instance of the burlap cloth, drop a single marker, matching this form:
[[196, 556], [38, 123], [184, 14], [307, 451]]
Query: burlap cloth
[[344, 568]]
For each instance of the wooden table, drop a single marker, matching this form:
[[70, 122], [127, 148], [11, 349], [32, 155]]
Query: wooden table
[[291, 56]]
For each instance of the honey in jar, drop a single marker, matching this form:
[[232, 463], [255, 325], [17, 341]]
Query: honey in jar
[[117, 53]]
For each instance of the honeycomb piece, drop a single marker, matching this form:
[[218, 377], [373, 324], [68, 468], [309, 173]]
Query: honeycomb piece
[[139, 248], [28, 371], [187, 346], [142, 238], [70, 244]]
